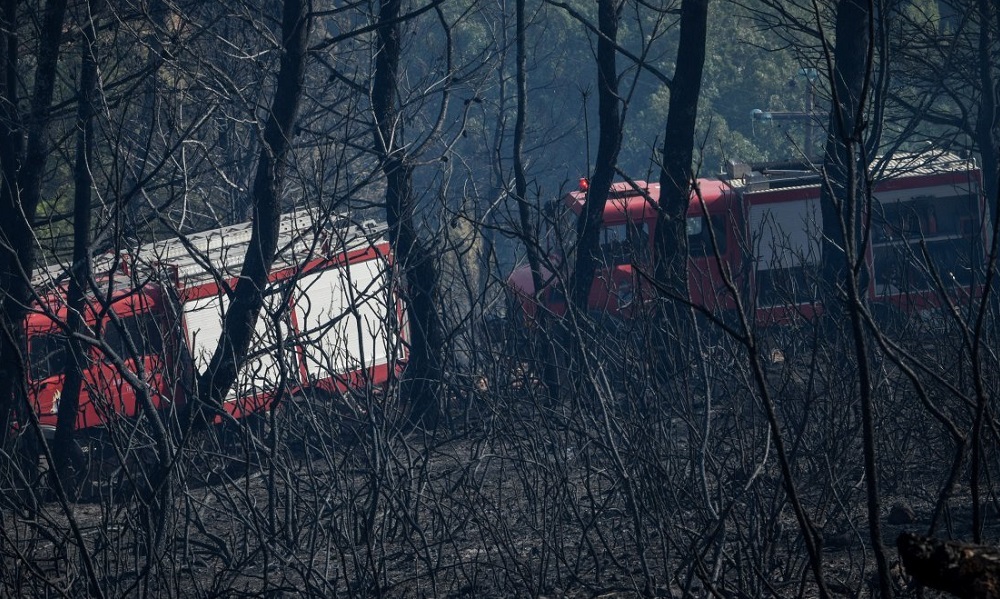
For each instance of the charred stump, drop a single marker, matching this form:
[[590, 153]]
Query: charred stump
[[962, 569]]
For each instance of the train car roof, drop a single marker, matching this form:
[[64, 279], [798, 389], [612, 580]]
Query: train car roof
[[636, 200]]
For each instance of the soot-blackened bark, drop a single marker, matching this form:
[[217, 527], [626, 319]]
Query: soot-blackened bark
[[422, 380], [68, 457], [24, 146], [676, 175], [520, 180], [840, 200], [548, 353], [608, 146], [248, 294], [988, 121]]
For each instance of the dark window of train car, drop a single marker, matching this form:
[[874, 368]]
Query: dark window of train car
[[47, 355]]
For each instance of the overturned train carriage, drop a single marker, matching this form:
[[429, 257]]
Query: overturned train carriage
[[331, 320]]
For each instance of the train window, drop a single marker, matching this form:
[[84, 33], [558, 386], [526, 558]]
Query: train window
[[924, 217], [47, 355], [141, 329], [946, 227], [627, 243], [700, 236]]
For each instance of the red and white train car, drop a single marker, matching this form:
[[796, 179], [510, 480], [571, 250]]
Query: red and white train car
[[766, 224], [331, 320]]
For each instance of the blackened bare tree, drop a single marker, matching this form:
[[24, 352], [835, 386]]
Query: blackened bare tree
[[67, 452], [608, 146], [843, 202], [520, 179], [422, 380], [676, 175], [988, 138], [272, 164], [988, 114], [949, 64], [844, 162], [24, 152]]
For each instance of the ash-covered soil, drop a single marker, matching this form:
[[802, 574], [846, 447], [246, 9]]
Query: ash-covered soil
[[614, 490]]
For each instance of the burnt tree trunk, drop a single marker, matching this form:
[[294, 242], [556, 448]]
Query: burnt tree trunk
[[844, 275], [248, 294], [24, 149], [422, 380], [987, 123], [11, 146], [520, 180], [608, 145], [676, 175], [68, 457], [840, 201], [988, 119], [548, 353]]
